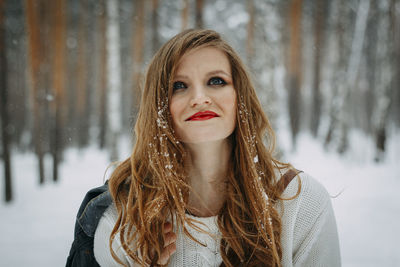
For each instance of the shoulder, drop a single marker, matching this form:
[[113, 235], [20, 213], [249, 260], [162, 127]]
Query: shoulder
[[310, 191], [106, 224], [110, 215], [305, 200]]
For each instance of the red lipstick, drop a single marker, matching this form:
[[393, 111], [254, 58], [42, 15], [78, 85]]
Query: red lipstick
[[202, 115]]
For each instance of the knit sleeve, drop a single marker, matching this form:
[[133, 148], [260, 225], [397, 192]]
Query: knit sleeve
[[102, 235], [309, 233], [320, 247]]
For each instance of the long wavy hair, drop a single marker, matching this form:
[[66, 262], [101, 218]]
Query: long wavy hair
[[151, 186]]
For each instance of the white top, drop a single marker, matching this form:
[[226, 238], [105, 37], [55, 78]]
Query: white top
[[309, 235]]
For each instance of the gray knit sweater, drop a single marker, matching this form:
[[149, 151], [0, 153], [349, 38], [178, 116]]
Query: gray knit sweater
[[309, 235]]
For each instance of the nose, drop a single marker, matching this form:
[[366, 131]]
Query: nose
[[199, 97]]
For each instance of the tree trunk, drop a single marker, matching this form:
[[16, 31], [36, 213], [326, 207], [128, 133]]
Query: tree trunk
[[58, 107], [199, 14], [138, 50], [250, 33], [72, 60], [294, 68], [36, 63], [5, 119], [319, 22], [352, 72], [185, 15], [81, 74], [154, 20], [396, 85], [16, 50], [386, 61], [103, 78], [371, 67], [114, 79], [340, 15]]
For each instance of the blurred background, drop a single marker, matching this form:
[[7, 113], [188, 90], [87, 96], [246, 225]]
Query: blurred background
[[327, 74]]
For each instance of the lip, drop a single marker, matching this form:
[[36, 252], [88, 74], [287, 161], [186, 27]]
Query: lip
[[202, 115]]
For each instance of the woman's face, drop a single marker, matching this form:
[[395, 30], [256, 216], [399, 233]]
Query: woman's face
[[203, 103]]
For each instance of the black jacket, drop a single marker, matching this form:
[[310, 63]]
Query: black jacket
[[92, 208]]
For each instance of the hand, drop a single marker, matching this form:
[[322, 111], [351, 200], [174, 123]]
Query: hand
[[170, 244]]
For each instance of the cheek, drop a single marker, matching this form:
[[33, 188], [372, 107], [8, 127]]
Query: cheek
[[233, 114], [175, 110], [230, 103]]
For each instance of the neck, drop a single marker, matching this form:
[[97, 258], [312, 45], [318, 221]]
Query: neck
[[207, 165]]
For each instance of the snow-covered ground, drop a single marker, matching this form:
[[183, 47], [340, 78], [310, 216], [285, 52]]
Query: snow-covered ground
[[36, 229]]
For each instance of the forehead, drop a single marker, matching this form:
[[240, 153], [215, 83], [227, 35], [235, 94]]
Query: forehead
[[205, 58]]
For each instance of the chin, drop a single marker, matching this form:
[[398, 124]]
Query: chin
[[204, 138], [201, 141]]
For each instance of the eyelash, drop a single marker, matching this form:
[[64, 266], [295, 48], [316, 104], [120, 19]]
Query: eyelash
[[182, 85], [220, 80]]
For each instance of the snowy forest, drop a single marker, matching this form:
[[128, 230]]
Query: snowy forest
[[326, 72]]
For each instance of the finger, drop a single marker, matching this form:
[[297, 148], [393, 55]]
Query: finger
[[167, 253], [169, 238], [167, 227]]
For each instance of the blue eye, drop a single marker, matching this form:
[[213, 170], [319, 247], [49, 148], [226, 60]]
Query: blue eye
[[178, 85], [216, 81]]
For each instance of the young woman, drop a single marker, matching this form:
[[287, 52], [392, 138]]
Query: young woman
[[202, 187]]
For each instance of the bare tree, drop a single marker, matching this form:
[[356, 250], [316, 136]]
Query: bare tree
[[319, 29], [385, 77], [185, 14], [114, 79], [294, 67], [199, 14], [352, 71], [250, 32], [371, 68], [58, 107], [138, 48], [396, 94], [15, 44], [36, 64], [339, 15], [154, 20], [82, 76], [5, 118], [102, 88]]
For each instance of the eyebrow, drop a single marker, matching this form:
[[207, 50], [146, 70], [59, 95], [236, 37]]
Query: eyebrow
[[214, 72], [218, 72]]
